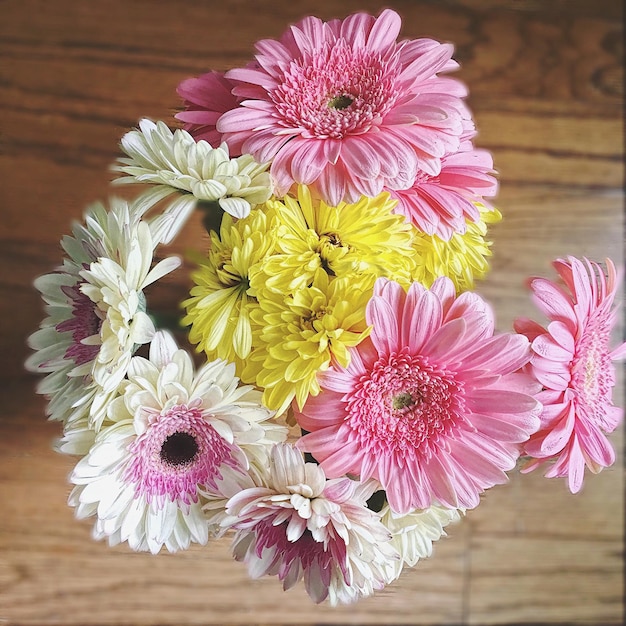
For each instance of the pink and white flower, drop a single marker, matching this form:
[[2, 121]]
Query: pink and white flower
[[343, 107], [441, 204], [299, 525], [573, 361], [175, 434], [431, 405], [96, 316]]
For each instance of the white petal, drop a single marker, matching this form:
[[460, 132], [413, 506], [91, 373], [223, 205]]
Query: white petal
[[237, 207]]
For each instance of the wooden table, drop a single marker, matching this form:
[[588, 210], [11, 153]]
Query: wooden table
[[545, 81]]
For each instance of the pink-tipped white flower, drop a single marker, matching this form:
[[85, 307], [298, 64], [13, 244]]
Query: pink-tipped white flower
[[441, 204], [573, 361], [431, 405], [343, 107], [175, 434], [96, 316], [299, 525]]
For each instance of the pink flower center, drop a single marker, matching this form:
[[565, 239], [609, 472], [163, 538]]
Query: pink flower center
[[178, 452], [85, 322], [336, 92], [593, 374], [311, 554], [404, 405]]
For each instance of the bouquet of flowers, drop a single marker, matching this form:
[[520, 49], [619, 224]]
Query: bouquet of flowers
[[352, 397]]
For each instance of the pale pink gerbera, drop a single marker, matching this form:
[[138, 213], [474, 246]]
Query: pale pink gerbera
[[206, 98], [298, 525], [441, 205], [573, 361], [343, 107], [431, 405]]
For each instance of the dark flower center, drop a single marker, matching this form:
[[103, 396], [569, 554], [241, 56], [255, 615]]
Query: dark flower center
[[402, 400], [179, 448], [340, 102]]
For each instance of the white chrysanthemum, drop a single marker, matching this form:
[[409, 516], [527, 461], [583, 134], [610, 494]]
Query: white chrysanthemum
[[175, 161], [95, 316], [413, 534], [299, 525], [175, 433]]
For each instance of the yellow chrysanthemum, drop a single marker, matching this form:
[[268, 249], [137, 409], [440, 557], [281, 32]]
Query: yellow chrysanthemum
[[348, 240], [301, 333], [463, 259], [222, 299]]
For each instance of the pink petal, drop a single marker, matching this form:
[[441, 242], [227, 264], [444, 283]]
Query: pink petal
[[427, 64], [503, 354], [360, 158], [547, 348], [527, 327], [384, 336], [559, 434], [596, 446], [385, 31], [497, 427], [354, 28], [440, 483], [500, 401], [425, 321], [331, 184], [576, 467], [256, 77], [308, 161], [552, 300]]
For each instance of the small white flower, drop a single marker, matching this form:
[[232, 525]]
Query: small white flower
[[299, 525], [95, 317], [175, 433], [413, 534], [175, 161]]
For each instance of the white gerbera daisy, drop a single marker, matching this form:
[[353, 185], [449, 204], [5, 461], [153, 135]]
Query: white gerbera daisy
[[96, 316], [413, 534], [298, 525], [175, 434], [175, 161]]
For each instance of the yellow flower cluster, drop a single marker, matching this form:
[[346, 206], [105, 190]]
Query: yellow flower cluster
[[282, 292]]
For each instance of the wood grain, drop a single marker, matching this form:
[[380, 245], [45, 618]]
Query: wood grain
[[546, 90]]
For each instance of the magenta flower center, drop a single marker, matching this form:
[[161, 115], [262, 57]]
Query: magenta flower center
[[179, 452], [404, 405], [85, 322], [336, 92], [311, 554], [593, 374]]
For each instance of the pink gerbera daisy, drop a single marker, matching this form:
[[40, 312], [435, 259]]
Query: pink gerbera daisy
[[572, 359], [441, 205], [431, 405], [343, 107], [206, 98]]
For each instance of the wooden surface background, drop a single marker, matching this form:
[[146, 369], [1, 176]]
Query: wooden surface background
[[546, 89]]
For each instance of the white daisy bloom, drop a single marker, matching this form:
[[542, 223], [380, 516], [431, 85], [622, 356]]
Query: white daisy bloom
[[175, 161], [413, 534], [175, 434], [95, 316], [299, 525]]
